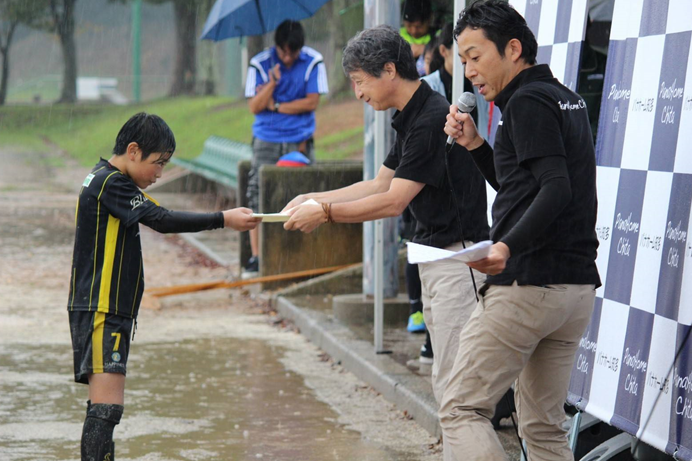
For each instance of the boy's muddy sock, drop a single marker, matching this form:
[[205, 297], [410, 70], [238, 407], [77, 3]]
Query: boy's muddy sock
[[97, 434]]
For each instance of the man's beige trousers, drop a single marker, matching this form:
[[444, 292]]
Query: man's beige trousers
[[524, 333], [448, 301]]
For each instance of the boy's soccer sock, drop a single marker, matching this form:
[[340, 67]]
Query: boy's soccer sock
[[97, 434]]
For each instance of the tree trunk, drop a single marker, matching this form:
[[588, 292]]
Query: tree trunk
[[208, 61], [5, 75], [5, 51], [185, 71], [69, 75], [65, 29], [337, 80]]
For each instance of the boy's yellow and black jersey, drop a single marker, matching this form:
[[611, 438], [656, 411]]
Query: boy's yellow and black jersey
[[107, 272]]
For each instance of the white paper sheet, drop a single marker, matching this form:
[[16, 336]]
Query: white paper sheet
[[272, 217], [418, 253], [281, 217]]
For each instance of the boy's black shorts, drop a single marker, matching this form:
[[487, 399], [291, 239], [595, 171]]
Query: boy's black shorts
[[100, 343]]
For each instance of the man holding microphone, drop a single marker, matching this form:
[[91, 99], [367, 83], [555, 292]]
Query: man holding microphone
[[539, 294], [448, 201]]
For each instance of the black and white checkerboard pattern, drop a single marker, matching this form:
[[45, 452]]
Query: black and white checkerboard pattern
[[559, 27], [644, 308]]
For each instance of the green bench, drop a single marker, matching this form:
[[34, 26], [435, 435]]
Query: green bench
[[218, 161]]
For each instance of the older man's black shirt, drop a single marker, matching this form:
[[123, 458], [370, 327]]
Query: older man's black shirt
[[418, 154], [542, 118]]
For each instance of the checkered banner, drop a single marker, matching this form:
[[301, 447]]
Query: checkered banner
[[626, 372]]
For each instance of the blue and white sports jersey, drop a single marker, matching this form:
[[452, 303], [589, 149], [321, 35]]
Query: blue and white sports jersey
[[307, 75]]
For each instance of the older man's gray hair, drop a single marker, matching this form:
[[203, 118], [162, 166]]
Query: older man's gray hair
[[371, 49]]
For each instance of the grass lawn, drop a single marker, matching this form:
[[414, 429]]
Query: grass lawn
[[87, 132]]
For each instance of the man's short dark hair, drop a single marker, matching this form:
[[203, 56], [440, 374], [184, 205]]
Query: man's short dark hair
[[500, 23], [149, 131], [417, 10], [371, 49], [289, 35]]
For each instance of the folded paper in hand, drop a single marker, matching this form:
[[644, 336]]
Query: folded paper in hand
[[281, 217], [418, 253]]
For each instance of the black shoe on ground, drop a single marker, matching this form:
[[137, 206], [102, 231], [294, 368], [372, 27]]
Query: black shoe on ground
[[252, 264], [504, 409]]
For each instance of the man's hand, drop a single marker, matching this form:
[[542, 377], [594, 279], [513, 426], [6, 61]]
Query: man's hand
[[275, 73], [240, 219], [306, 218], [295, 202], [461, 127], [495, 262]]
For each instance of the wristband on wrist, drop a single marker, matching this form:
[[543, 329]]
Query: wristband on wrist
[[327, 208]]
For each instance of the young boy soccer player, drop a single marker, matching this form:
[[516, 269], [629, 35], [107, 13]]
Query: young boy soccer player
[[107, 275]]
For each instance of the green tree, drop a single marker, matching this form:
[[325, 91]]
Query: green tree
[[13, 13]]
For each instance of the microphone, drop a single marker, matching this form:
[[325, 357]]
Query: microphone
[[466, 103]]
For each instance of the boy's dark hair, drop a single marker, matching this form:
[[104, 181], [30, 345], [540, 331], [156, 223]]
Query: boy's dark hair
[[500, 23], [149, 131], [417, 10], [289, 35], [371, 49]]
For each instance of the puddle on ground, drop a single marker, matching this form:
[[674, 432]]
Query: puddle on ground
[[221, 399]]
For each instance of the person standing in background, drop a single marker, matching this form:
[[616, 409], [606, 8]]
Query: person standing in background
[[417, 29], [283, 87]]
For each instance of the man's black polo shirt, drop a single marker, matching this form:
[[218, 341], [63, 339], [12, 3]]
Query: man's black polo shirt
[[418, 154], [540, 118]]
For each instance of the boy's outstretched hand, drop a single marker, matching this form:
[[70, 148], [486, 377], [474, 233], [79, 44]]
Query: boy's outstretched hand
[[240, 219]]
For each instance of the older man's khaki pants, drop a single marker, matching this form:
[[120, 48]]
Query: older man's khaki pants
[[448, 300], [524, 333]]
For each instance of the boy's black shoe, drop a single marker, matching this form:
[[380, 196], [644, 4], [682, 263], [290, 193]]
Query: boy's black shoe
[[252, 264]]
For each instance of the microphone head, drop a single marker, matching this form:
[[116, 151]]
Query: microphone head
[[466, 102]]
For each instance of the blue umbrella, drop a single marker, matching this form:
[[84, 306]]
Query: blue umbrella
[[241, 18]]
